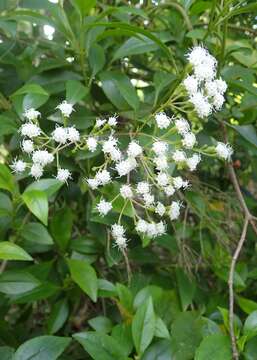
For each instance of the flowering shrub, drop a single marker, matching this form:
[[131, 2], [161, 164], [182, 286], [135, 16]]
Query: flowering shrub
[[127, 169]]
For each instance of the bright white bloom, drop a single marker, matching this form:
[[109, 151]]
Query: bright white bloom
[[206, 70], [104, 207], [160, 209], [30, 130], [193, 161], [100, 122], [109, 145], [160, 147], [73, 134], [196, 55], [91, 144], [161, 162], [179, 156], [174, 210], [169, 190], [162, 120], [103, 177], [148, 199], [186, 184], [221, 85], [36, 171], [152, 230], [178, 182], [63, 175], [162, 179], [201, 104], [126, 191], [141, 226], [121, 242], [27, 146], [117, 231], [191, 84], [182, 126], [112, 121], [143, 188], [124, 167], [224, 151], [60, 135], [18, 166], [115, 154], [65, 108], [93, 183], [160, 228], [31, 114], [42, 157], [134, 149], [218, 101], [211, 88], [189, 140]]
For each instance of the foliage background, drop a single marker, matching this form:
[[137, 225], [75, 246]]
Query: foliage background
[[118, 57]]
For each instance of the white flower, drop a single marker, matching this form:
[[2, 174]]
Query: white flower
[[196, 55], [221, 85], [60, 135], [179, 156], [91, 144], [36, 171], [115, 154], [193, 161], [141, 226], [27, 146], [124, 167], [186, 184], [126, 191], [161, 162], [93, 183], [218, 101], [224, 151], [109, 145], [42, 157], [121, 242], [63, 175], [152, 230], [143, 188], [104, 207], [160, 228], [182, 126], [169, 190], [206, 70], [211, 88], [160, 147], [103, 177], [148, 199], [189, 140], [178, 182], [191, 84], [201, 104], [73, 134], [99, 122], [18, 166], [117, 231], [174, 210], [162, 120], [65, 108], [30, 130], [162, 179], [160, 209], [112, 121], [31, 114], [134, 149]]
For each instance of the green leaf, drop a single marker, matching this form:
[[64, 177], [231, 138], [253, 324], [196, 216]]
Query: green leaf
[[248, 132], [7, 125], [143, 326], [75, 91], [248, 306], [160, 350], [84, 276], [36, 233], [49, 186], [214, 347], [186, 288], [42, 347], [6, 179], [96, 58], [6, 353], [17, 282], [84, 6], [41, 292], [250, 350], [10, 251], [100, 346], [58, 316], [250, 325], [37, 203], [101, 324], [61, 226], [161, 330]]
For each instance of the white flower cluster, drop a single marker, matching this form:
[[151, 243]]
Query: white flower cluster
[[206, 92]]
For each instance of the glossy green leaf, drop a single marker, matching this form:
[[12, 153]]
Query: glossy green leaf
[[17, 282], [36, 233], [96, 58], [61, 226], [75, 91], [37, 203], [250, 325], [6, 353], [58, 316], [84, 6], [214, 347], [10, 251], [6, 179], [49, 186]]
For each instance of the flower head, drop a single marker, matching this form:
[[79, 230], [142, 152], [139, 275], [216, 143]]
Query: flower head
[[104, 207], [31, 114], [63, 175], [18, 166], [60, 135], [126, 191], [73, 134], [42, 157], [174, 210], [27, 146], [65, 108], [93, 183], [224, 151], [91, 143], [182, 126], [160, 147], [193, 161], [189, 140], [179, 156], [103, 177], [36, 171], [30, 130], [162, 120], [112, 121], [134, 149]]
